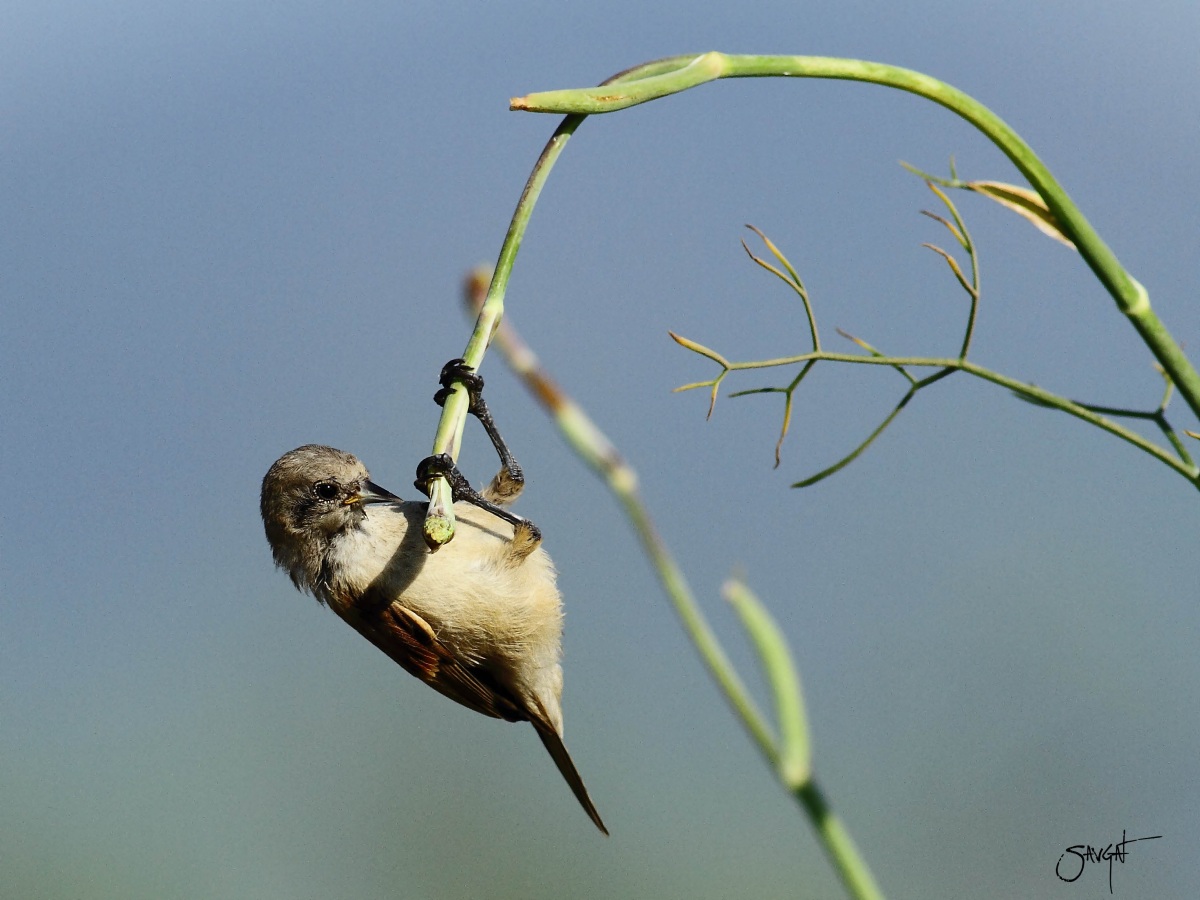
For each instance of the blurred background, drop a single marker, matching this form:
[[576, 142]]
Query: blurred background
[[235, 228]]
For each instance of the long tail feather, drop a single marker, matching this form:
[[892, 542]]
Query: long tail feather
[[562, 759]]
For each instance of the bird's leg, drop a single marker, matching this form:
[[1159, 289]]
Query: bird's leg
[[526, 535], [510, 480]]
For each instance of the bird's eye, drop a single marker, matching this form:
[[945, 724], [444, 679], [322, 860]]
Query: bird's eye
[[325, 490]]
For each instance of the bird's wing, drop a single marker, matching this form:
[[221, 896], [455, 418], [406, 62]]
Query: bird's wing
[[410, 641], [474, 687]]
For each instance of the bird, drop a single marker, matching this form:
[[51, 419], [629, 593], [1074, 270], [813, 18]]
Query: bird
[[479, 620]]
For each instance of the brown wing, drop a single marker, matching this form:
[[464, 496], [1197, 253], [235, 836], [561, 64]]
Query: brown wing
[[410, 641]]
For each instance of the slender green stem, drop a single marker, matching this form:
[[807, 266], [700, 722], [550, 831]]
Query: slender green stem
[[794, 764], [1032, 392], [1131, 298], [1157, 416], [791, 279], [837, 841], [973, 289], [439, 519], [1174, 439], [594, 448], [861, 448], [599, 454]]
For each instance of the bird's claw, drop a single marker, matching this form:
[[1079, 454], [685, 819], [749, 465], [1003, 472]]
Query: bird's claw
[[458, 372]]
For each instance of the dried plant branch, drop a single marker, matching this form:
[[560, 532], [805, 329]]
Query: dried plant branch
[[1101, 416]]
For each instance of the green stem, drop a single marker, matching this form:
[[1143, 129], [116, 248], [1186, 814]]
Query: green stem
[[794, 751], [599, 454], [439, 520], [838, 843], [861, 448], [680, 73], [1030, 391]]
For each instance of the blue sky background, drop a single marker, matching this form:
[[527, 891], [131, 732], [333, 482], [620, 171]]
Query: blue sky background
[[235, 228]]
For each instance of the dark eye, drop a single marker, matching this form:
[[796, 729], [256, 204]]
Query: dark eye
[[326, 490]]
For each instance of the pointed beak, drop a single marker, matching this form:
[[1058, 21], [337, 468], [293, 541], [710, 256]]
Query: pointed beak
[[370, 492]]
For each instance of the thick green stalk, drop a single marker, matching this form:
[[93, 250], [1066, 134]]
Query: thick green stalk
[[690, 71]]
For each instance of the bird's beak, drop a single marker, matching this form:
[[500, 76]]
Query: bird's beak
[[369, 492]]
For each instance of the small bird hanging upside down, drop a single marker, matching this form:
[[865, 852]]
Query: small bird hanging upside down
[[480, 620]]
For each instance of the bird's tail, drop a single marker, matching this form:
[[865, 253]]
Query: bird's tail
[[558, 752]]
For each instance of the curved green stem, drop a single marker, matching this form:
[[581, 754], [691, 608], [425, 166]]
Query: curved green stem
[[861, 448], [680, 73], [794, 754], [439, 519]]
